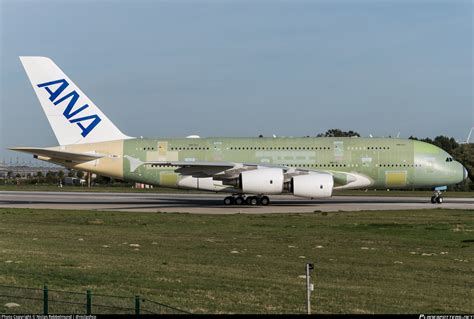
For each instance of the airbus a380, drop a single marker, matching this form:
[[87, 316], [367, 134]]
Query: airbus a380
[[248, 168]]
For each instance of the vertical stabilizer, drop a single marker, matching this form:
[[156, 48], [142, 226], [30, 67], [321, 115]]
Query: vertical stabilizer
[[74, 118]]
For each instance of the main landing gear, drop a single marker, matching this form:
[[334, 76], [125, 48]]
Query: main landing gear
[[437, 195], [247, 200]]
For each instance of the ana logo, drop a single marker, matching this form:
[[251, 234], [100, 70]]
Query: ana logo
[[69, 112]]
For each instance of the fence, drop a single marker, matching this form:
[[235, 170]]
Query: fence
[[48, 301]]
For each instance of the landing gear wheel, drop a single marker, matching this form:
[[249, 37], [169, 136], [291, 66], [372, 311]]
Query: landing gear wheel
[[264, 200], [239, 200], [437, 197], [229, 200], [252, 200]]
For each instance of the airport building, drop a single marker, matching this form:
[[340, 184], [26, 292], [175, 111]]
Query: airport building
[[25, 171]]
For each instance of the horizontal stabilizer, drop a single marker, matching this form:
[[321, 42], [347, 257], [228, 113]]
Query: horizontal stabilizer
[[57, 154]]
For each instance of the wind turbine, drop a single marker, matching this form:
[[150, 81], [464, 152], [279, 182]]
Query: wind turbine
[[468, 137]]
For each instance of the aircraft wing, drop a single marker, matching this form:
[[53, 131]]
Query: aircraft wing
[[221, 170], [216, 170], [231, 170], [57, 154]]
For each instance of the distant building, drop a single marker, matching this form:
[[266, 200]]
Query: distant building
[[3, 171], [26, 171]]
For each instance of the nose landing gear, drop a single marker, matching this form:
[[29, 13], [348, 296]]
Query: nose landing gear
[[438, 195], [436, 199], [249, 200]]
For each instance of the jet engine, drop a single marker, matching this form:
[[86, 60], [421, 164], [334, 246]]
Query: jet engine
[[262, 181], [314, 185]]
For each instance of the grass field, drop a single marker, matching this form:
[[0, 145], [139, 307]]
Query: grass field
[[122, 189], [365, 262]]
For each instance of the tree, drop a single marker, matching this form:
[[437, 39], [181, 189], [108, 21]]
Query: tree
[[51, 177], [335, 132], [80, 174], [446, 143]]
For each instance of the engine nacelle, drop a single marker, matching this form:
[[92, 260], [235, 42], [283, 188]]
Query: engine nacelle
[[262, 181], [314, 185]]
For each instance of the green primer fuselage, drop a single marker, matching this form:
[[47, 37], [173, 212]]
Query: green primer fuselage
[[387, 162]]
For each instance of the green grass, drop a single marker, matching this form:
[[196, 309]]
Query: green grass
[[365, 262]]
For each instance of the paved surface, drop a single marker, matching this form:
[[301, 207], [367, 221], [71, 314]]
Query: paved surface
[[213, 203]]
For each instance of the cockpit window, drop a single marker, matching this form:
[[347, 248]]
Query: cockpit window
[[449, 159]]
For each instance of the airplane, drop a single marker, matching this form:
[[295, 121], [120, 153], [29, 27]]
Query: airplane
[[247, 169]]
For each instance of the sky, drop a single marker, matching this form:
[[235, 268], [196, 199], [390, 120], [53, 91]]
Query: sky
[[244, 68]]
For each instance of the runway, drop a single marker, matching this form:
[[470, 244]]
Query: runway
[[213, 203]]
